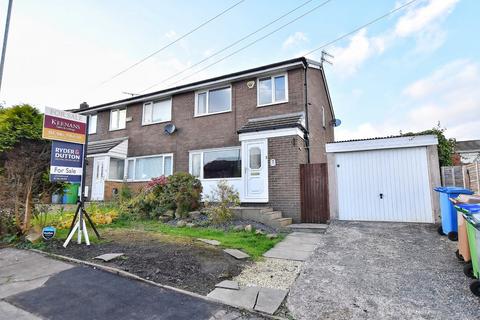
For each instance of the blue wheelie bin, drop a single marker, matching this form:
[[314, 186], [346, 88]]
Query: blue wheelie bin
[[448, 212]]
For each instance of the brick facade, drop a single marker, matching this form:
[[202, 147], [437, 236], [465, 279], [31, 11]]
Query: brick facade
[[284, 178], [220, 130]]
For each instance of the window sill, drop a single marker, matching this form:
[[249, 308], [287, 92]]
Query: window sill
[[271, 104], [219, 179], [210, 114], [158, 122], [116, 129]]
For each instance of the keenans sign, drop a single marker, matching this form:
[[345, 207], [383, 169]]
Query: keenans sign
[[64, 126]]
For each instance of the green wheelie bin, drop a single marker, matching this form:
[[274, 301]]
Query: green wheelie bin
[[472, 269]]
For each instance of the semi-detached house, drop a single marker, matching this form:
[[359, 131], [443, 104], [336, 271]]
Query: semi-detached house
[[252, 128]]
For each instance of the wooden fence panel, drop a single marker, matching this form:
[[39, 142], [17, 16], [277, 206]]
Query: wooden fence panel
[[314, 193]]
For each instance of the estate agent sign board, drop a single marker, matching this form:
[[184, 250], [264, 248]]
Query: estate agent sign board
[[66, 162], [64, 126]]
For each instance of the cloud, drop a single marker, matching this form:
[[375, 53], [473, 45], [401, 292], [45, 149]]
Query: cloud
[[171, 34], [449, 94], [295, 39], [417, 18], [420, 22], [361, 47]]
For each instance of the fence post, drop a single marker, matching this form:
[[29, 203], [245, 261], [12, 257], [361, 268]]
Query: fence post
[[463, 176], [478, 177], [453, 175]]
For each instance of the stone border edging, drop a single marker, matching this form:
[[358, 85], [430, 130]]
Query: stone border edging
[[129, 275]]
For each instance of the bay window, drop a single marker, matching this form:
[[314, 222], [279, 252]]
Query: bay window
[[148, 167], [272, 90], [216, 163]]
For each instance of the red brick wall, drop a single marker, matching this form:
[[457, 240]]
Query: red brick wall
[[284, 178], [135, 187], [319, 135]]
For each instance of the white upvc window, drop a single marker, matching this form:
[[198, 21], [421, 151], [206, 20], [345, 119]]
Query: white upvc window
[[157, 111], [272, 90], [221, 163], [147, 167], [118, 119], [92, 124], [116, 169], [324, 124], [213, 101]]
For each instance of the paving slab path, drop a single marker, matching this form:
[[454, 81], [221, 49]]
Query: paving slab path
[[366, 270], [296, 246], [34, 287]]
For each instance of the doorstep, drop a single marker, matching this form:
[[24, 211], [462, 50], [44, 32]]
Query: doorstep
[[309, 227]]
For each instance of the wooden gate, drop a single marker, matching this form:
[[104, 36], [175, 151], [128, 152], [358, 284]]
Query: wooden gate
[[314, 193]]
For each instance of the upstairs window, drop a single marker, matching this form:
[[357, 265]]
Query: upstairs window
[[118, 119], [271, 90], [156, 112], [213, 101], [92, 124]]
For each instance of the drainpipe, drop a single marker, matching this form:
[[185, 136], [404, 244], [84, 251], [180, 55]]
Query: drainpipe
[[306, 135]]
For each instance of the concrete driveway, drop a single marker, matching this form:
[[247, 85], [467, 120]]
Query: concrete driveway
[[383, 271], [34, 287]]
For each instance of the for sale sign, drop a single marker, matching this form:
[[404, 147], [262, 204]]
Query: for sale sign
[[66, 161], [64, 126]]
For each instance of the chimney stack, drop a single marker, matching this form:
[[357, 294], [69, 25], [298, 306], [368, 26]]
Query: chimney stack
[[84, 105]]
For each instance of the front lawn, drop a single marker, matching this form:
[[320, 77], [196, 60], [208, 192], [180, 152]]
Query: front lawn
[[253, 244]]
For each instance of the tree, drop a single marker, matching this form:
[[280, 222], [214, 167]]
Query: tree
[[24, 159], [17, 122], [446, 147]]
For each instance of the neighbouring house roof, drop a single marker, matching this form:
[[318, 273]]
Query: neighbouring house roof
[[293, 120], [245, 74], [467, 146], [104, 146]]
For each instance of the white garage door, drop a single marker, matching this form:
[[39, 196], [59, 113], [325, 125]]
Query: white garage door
[[384, 185]]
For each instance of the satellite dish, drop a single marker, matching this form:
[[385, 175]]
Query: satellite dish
[[336, 122], [169, 129]]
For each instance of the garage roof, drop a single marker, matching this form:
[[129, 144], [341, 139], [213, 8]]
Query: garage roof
[[391, 142]]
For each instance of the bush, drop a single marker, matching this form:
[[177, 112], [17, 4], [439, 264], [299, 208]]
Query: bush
[[219, 203], [179, 192]]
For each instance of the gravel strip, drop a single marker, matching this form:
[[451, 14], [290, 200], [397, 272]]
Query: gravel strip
[[270, 273]]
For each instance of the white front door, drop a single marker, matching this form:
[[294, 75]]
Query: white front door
[[255, 169], [100, 171]]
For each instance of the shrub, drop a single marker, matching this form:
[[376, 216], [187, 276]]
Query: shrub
[[179, 192], [219, 203]]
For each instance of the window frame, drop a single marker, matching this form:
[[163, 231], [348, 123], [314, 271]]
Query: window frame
[[90, 116], [118, 119], [201, 152], [153, 103], [272, 79], [109, 167], [163, 155], [207, 101]]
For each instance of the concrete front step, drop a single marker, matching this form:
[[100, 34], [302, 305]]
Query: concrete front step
[[264, 215], [281, 222], [309, 227]]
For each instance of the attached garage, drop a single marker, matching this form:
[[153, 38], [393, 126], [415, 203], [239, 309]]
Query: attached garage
[[384, 179]]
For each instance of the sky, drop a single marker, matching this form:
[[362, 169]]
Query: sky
[[408, 72]]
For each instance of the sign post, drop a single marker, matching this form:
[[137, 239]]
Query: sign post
[[69, 161]]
